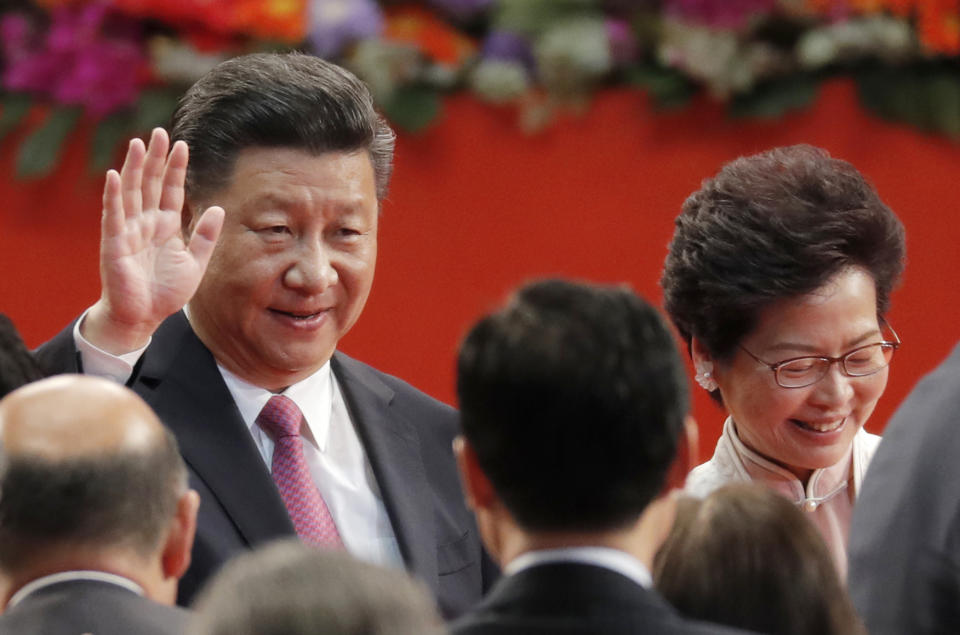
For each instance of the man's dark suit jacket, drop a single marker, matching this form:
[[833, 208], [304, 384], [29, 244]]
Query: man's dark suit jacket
[[905, 533], [406, 434], [576, 599], [88, 606]]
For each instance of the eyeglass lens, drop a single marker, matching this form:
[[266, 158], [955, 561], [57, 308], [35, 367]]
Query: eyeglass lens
[[857, 363]]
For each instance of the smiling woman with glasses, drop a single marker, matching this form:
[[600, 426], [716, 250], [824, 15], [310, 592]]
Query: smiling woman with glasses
[[778, 277]]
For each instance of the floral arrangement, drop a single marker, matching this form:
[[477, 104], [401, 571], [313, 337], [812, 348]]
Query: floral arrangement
[[121, 64]]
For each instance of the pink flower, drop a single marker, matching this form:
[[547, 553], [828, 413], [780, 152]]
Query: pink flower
[[623, 43], [721, 14], [88, 57], [15, 35]]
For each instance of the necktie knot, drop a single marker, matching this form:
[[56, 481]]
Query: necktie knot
[[280, 418]]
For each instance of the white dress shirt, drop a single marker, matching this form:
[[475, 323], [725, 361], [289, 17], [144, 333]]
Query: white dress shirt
[[335, 455], [613, 559]]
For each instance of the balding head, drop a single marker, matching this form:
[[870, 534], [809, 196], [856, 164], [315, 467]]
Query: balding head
[[74, 416], [86, 466]]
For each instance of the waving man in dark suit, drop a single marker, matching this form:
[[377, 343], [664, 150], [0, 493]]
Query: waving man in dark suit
[[273, 255]]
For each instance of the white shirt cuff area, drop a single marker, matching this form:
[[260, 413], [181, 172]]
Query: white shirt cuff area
[[99, 362]]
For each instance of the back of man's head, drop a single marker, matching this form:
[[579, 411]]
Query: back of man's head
[[573, 398], [288, 588], [88, 475], [273, 100]]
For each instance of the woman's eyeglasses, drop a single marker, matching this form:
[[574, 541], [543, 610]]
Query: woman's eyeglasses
[[799, 372]]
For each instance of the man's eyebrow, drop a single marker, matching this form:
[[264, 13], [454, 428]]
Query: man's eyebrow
[[294, 201]]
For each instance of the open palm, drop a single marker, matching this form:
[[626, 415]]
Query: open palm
[[147, 271]]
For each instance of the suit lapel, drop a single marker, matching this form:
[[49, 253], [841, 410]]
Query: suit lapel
[[393, 449], [180, 380]]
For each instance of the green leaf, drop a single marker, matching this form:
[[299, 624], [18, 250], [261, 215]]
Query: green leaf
[[773, 99], [872, 90], [413, 108], [894, 95], [40, 151], [943, 94], [669, 89], [154, 109], [110, 132], [15, 108]]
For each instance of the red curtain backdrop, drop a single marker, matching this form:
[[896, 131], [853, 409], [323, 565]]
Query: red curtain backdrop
[[477, 207]]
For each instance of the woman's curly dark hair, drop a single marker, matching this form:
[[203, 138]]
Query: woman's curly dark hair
[[772, 226]]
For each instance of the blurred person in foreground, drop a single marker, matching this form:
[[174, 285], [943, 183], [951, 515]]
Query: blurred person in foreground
[[778, 278], [746, 557], [17, 364], [287, 588], [905, 535], [96, 521], [573, 404], [227, 283]]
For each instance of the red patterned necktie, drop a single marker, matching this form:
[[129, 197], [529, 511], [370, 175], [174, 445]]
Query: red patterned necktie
[[281, 420]]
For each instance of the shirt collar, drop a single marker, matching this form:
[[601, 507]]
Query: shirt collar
[[313, 395], [613, 559], [72, 576], [823, 482]]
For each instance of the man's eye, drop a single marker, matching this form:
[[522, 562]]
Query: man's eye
[[277, 229]]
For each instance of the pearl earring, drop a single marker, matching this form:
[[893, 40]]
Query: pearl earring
[[704, 376]]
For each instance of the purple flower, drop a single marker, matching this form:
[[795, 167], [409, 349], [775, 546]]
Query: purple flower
[[508, 46], [461, 9], [88, 57], [623, 43], [721, 14], [334, 24], [101, 92]]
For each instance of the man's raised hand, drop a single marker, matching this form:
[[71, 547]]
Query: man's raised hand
[[147, 271]]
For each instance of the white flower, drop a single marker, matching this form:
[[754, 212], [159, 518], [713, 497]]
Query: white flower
[[572, 53], [177, 62], [499, 81]]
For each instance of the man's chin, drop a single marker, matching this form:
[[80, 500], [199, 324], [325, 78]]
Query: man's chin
[[300, 365]]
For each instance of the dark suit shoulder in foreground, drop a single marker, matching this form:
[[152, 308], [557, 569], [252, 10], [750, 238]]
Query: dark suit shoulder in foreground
[[576, 599], [905, 534], [85, 606]]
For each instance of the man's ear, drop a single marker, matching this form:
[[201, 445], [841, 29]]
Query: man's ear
[[688, 455], [476, 486], [176, 551]]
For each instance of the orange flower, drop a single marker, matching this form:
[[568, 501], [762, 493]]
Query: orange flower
[[938, 24], [433, 37], [282, 19]]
